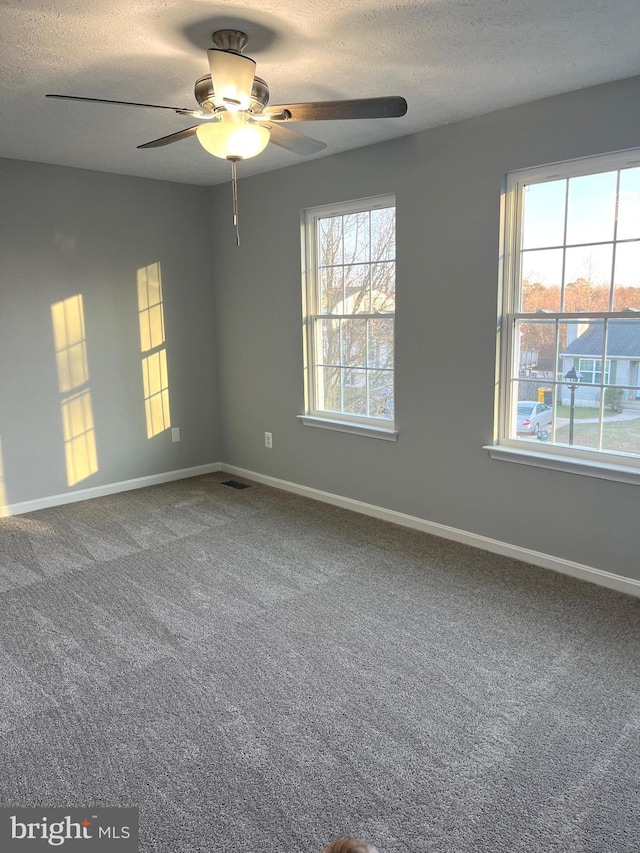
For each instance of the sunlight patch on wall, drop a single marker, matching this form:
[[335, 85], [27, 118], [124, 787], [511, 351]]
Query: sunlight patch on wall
[[78, 429], [70, 343], [156, 392], [4, 508], [155, 378], [79, 437]]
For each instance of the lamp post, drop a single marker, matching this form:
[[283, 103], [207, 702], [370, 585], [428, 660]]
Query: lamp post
[[572, 383]]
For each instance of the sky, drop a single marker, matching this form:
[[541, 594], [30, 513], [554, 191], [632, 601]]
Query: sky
[[590, 206]]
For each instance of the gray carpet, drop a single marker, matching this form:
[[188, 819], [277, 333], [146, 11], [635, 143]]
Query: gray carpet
[[261, 673]]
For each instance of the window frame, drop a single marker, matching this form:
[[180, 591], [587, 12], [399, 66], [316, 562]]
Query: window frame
[[597, 463], [595, 370], [372, 427]]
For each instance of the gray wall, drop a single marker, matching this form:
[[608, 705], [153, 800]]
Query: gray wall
[[68, 231], [447, 183]]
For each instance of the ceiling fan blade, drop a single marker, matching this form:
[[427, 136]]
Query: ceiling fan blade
[[291, 140], [388, 107], [179, 110], [232, 78], [172, 137]]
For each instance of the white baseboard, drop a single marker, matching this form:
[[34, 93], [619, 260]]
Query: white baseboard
[[108, 489], [495, 546]]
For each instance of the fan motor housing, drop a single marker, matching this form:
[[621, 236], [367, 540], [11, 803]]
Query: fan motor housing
[[203, 91]]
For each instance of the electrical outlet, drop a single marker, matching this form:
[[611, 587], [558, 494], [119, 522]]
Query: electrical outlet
[[268, 439], [175, 434]]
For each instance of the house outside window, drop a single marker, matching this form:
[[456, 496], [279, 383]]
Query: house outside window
[[349, 266], [571, 295]]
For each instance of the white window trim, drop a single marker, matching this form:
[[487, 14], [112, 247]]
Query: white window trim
[[560, 462], [338, 421], [347, 426], [609, 466]]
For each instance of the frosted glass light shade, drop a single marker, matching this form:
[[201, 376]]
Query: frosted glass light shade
[[233, 136], [232, 79]]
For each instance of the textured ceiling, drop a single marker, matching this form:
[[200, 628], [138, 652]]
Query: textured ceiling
[[449, 58]]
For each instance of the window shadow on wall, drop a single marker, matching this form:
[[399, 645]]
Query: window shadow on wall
[[155, 379], [78, 428]]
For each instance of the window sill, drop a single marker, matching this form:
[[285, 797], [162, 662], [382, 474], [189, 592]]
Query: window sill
[[386, 434], [568, 464]]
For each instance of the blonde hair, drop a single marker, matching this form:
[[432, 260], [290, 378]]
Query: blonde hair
[[349, 845]]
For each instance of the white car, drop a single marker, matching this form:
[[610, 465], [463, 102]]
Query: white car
[[532, 416]]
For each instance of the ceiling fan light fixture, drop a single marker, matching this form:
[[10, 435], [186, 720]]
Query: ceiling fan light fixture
[[235, 101], [233, 136]]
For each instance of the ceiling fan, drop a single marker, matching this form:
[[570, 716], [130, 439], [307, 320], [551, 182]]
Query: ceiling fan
[[236, 119]]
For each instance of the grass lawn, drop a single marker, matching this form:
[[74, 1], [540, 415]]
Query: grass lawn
[[581, 412], [621, 436]]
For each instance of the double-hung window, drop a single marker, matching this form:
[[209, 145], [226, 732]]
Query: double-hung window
[[570, 330], [349, 308]]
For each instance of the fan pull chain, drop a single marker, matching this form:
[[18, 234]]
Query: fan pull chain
[[234, 190]]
